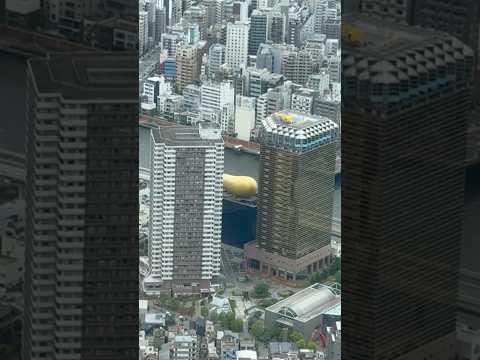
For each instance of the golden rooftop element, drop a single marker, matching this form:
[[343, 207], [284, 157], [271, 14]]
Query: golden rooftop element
[[240, 186], [350, 33]]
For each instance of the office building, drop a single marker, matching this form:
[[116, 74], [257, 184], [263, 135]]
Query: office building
[[216, 58], [258, 81], [214, 10], [277, 29], [81, 262], [303, 101], [270, 56], [160, 25], [170, 42], [236, 52], [295, 197], [142, 32], [186, 183], [258, 31], [294, 27], [403, 153], [297, 66], [191, 98], [328, 104], [197, 15], [154, 87]]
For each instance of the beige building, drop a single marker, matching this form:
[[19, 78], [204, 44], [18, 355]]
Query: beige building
[[187, 66]]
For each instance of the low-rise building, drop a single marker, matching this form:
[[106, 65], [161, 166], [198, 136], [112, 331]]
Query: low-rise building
[[305, 310], [185, 347], [220, 305], [333, 341], [283, 351], [246, 343], [212, 351], [246, 355], [227, 344], [153, 321]]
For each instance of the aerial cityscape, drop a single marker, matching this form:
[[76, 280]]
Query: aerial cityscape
[[264, 179], [240, 236]]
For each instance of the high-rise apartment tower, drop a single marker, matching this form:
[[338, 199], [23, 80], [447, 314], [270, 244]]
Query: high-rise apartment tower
[[186, 209]]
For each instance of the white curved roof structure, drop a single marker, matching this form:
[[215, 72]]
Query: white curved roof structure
[[308, 303]]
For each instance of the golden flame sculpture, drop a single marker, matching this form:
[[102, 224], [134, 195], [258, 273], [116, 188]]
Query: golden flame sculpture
[[240, 186]]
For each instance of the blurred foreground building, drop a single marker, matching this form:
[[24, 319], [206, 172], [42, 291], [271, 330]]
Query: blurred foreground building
[[81, 263], [405, 98]]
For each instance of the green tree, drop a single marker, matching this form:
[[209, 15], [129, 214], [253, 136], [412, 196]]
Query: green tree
[[311, 345], [276, 333], [338, 277], [295, 336], [213, 316], [261, 291], [226, 319], [204, 311], [258, 328], [236, 325], [334, 266], [158, 335], [264, 303], [300, 343]]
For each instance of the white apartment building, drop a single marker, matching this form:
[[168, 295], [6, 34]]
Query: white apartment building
[[244, 117], [154, 87], [236, 55], [219, 98], [186, 209]]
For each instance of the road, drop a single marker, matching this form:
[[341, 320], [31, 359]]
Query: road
[[147, 64]]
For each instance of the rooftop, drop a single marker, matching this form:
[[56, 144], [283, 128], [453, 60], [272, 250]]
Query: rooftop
[[293, 120], [281, 347], [385, 38], [308, 303], [297, 132], [378, 38], [186, 136], [246, 355], [87, 76], [184, 338], [155, 318], [390, 54]]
